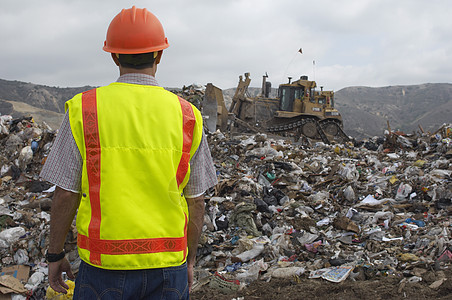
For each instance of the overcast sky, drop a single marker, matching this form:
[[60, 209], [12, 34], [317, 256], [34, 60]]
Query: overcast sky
[[353, 42]]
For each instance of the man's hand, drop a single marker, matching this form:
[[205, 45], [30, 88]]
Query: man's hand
[[190, 276], [196, 220], [64, 207], [55, 275]]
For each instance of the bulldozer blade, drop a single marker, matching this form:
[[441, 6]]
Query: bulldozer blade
[[213, 109]]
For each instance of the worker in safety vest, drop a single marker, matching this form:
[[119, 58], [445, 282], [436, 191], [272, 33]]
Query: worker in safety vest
[[131, 157]]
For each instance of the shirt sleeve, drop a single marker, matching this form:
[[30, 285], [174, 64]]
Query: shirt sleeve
[[203, 174], [63, 166]]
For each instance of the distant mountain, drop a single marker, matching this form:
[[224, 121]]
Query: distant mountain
[[44, 103], [20, 109], [40, 96], [365, 110]]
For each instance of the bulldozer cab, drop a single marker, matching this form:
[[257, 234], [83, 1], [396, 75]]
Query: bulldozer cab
[[288, 95], [300, 97]]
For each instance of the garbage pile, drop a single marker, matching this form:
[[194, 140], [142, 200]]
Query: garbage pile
[[281, 210], [25, 203], [380, 207], [193, 93]]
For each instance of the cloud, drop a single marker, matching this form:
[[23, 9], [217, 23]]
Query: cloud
[[366, 42]]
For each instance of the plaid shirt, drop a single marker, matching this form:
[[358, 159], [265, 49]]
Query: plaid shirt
[[63, 166]]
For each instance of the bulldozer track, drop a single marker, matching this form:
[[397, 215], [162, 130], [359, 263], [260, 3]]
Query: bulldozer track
[[339, 132], [299, 125], [306, 127]]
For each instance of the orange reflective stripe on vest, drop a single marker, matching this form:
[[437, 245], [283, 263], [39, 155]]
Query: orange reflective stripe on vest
[[189, 121], [91, 132], [93, 242], [133, 246]]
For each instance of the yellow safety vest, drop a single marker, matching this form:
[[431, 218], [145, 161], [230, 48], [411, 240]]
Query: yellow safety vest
[[136, 143]]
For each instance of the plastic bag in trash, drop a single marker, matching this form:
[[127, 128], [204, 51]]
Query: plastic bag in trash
[[25, 157], [21, 257], [34, 280], [250, 254], [349, 193], [253, 271], [4, 121], [349, 172], [403, 191], [12, 235], [287, 272]]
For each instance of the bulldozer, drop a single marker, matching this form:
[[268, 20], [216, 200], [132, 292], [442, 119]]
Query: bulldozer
[[298, 111]]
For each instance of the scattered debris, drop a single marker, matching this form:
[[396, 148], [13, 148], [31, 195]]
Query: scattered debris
[[343, 211], [281, 211]]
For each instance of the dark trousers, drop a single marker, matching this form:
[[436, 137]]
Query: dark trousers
[[100, 284]]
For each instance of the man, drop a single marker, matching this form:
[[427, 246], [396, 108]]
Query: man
[[132, 158]]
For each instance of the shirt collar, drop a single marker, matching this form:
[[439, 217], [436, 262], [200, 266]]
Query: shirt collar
[[138, 78]]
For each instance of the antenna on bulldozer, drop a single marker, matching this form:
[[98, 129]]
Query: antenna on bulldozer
[[291, 61], [313, 68]]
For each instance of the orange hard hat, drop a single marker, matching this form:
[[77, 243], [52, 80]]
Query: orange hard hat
[[134, 31]]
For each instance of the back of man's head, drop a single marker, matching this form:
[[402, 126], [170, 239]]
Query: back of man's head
[[137, 61]]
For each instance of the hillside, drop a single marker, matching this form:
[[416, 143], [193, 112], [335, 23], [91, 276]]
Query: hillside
[[40, 96], [44, 103], [21, 109], [365, 110]]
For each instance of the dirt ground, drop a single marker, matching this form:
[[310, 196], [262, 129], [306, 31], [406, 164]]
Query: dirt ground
[[377, 288]]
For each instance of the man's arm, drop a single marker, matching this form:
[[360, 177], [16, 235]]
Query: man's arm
[[195, 223], [64, 207]]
